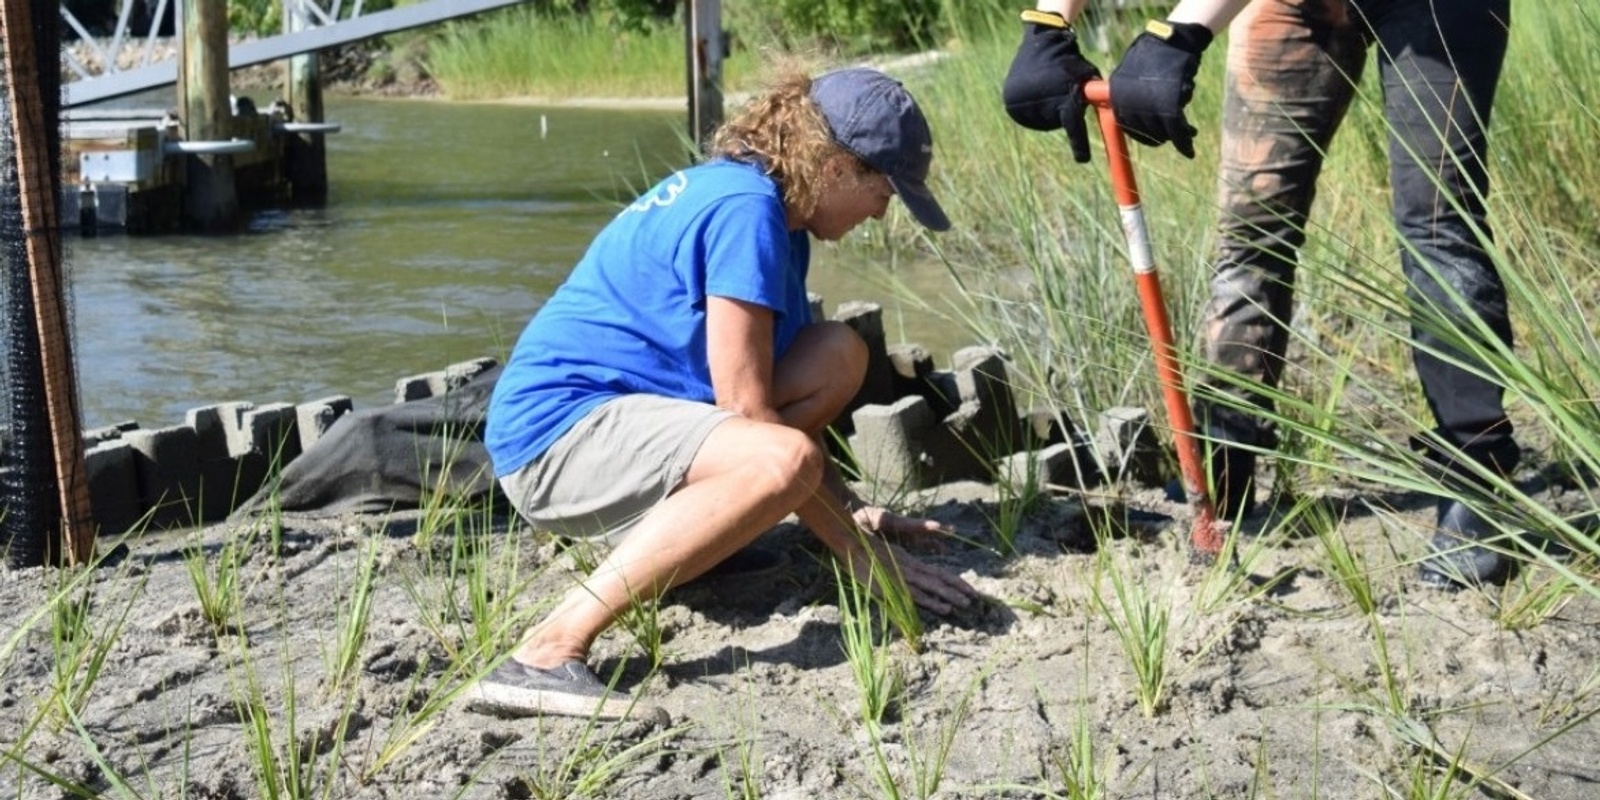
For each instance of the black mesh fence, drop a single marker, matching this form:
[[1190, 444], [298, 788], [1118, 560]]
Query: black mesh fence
[[30, 508]]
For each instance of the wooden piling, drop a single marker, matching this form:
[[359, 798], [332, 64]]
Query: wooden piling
[[705, 46], [305, 154], [33, 121], [211, 200]]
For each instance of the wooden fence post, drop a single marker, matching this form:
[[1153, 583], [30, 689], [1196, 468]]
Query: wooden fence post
[[33, 119]]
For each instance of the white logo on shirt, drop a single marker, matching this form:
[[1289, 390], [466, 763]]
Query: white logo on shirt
[[666, 193]]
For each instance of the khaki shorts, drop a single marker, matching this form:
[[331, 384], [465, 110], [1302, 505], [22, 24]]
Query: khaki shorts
[[616, 464]]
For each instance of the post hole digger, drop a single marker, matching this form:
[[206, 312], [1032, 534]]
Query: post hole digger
[[1206, 536]]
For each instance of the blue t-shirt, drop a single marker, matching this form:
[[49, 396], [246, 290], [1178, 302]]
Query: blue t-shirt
[[631, 318]]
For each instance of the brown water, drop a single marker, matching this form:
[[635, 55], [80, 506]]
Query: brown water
[[446, 227]]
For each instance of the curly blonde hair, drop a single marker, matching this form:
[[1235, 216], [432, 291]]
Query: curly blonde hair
[[784, 132]]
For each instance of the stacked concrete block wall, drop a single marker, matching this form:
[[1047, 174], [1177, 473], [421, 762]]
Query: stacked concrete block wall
[[911, 426], [965, 423], [221, 455]]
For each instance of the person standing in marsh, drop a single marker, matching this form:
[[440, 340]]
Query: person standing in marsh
[[671, 396], [1292, 70]]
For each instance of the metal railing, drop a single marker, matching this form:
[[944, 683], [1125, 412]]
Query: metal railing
[[312, 26]]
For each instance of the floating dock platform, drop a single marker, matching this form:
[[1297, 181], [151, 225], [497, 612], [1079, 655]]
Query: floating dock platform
[[127, 170]]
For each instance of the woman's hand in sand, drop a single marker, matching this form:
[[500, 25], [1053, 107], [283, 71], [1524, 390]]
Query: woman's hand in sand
[[933, 588], [913, 532]]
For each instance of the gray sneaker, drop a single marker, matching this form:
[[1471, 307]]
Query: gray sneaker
[[569, 690]]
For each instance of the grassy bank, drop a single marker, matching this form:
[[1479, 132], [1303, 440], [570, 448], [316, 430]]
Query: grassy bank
[[521, 53]]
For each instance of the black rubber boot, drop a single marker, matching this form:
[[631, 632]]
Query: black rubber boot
[[1456, 561]]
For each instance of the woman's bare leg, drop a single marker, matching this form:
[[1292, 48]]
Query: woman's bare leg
[[746, 477]]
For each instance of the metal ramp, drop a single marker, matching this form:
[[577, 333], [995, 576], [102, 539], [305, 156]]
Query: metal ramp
[[314, 26]]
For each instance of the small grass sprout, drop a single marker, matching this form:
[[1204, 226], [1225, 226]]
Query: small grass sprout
[[1344, 564], [217, 587], [354, 616], [1141, 619], [641, 619], [866, 647]]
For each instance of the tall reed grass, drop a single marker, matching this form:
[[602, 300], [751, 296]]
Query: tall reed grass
[[1038, 266], [523, 53]]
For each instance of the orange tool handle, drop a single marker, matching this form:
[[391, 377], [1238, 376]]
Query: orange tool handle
[[1207, 536]]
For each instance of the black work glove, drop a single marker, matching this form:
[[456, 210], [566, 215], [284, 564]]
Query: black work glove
[[1044, 89], [1155, 80]]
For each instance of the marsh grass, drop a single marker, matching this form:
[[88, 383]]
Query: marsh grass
[[1345, 564], [523, 53], [1140, 615], [895, 601], [641, 620], [866, 642], [80, 649], [1434, 771], [217, 585], [1533, 596], [1077, 770], [1080, 767], [928, 752], [1021, 492], [1578, 700], [1239, 574], [587, 762], [741, 774], [353, 618], [277, 759], [911, 761], [468, 596]]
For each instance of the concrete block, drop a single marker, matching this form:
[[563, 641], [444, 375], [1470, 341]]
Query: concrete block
[[271, 430], [314, 418], [1043, 426], [987, 422], [957, 447], [982, 377], [417, 387], [94, 436], [218, 430], [168, 474], [438, 382], [942, 393], [269, 438], [113, 476], [1130, 446], [461, 373], [912, 364], [1064, 464], [877, 387], [889, 443]]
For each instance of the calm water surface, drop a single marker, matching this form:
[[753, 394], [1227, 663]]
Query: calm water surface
[[446, 227]]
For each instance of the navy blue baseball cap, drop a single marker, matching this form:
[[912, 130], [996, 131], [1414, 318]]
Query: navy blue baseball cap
[[873, 116]]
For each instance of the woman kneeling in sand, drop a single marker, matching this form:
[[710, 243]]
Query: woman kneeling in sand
[[672, 394]]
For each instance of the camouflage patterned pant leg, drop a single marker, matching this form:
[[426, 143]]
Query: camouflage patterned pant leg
[[1290, 73]]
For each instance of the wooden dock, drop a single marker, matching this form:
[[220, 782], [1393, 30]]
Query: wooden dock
[[127, 170]]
